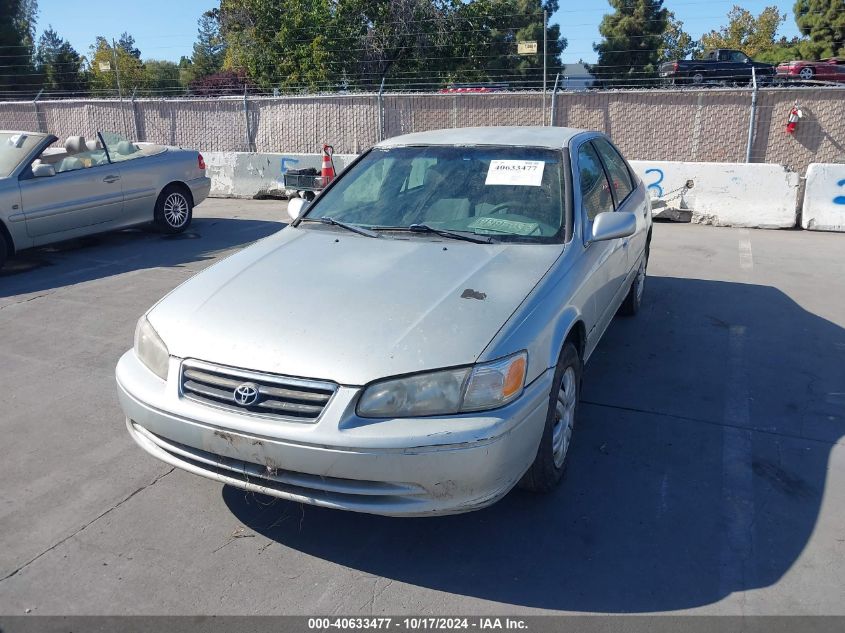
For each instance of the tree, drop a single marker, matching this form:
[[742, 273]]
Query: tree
[[823, 22], [278, 44], [17, 34], [226, 82], [677, 43], [210, 47], [753, 36], [60, 66], [127, 43], [103, 75], [161, 77], [633, 38]]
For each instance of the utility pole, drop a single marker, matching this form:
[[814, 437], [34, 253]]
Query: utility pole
[[545, 55], [119, 91], [545, 47]]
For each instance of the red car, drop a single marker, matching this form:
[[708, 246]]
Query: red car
[[832, 69]]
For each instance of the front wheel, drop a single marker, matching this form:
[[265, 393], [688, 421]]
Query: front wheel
[[174, 210], [807, 73], [4, 251], [549, 464]]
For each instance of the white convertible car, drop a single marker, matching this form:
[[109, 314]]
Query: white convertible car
[[49, 194]]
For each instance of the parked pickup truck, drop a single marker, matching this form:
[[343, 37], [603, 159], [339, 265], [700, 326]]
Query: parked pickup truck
[[720, 64]]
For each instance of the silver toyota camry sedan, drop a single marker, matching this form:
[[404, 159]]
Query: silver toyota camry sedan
[[413, 342]]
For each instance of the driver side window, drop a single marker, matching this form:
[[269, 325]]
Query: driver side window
[[595, 190]]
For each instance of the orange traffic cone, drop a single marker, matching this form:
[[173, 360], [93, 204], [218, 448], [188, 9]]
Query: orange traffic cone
[[327, 171]]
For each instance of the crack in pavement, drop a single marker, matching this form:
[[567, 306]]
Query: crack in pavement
[[714, 423], [91, 522], [28, 299]]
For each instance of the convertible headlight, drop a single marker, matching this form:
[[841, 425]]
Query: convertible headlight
[[476, 388], [150, 349]]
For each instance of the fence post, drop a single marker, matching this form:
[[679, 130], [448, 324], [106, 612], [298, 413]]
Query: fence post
[[545, 55], [246, 122], [553, 113], [37, 115], [381, 111], [752, 118]]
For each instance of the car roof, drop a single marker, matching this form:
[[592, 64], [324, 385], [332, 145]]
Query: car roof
[[523, 136]]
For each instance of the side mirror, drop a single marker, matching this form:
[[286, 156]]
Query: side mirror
[[42, 170], [296, 207], [611, 225]]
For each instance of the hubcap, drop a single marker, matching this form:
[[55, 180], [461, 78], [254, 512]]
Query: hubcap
[[567, 397], [806, 73], [640, 282], [176, 210]]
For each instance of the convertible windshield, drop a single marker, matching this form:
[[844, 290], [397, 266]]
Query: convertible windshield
[[501, 192], [14, 147]]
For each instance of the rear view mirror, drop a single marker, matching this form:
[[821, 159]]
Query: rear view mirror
[[611, 225], [296, 207], [42, 170]]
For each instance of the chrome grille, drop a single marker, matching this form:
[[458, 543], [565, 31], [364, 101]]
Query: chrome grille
[[277, 397]]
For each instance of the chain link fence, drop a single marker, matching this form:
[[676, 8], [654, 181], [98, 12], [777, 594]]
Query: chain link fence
[[709, 125]]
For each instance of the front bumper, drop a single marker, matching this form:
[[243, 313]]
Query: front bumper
[[401, 467]]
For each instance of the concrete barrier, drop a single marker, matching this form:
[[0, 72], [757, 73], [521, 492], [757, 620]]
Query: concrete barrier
[[824, 198], [247, 175], [754, 195]]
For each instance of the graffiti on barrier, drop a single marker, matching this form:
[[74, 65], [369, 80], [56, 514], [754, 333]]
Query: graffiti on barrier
[[840, 199], [656, 184]]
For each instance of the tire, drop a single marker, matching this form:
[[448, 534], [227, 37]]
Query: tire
[[807, 73], [174, 210], [634, 299], [550, 463], [696, 77], [4, 250]]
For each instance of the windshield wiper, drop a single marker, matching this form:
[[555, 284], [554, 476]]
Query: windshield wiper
[[457, 235], [360, 230]]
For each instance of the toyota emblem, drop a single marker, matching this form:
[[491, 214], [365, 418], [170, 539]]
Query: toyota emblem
[[246, 394]]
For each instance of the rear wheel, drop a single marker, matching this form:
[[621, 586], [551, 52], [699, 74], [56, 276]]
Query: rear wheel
[[4, 250], [549, 464], [174, 210], [697, 77]]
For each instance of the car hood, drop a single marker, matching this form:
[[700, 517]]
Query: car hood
[[327, 304]]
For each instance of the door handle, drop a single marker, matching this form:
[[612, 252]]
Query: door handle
[[111, 178]]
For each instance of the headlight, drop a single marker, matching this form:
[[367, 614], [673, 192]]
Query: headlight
[[477, 388], [150, 349]]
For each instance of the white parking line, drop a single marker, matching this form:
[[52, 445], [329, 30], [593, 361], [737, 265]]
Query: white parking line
[[737, 540], [746, 257]]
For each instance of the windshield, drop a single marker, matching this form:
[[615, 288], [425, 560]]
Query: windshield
[[121, 148], [511, 193], [14, 147]]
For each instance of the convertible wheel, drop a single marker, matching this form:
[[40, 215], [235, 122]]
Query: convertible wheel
[[174, 210], [634, 299], [549, 464]]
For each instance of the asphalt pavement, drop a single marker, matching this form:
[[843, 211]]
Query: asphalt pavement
[[706, 473]]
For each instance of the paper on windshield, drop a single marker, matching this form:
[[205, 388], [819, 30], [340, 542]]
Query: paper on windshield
[[527, 173]]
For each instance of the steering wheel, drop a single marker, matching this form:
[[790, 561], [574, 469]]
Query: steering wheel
[[497, 209]]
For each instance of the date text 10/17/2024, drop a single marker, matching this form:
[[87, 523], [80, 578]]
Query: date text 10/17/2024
[[417, 623]]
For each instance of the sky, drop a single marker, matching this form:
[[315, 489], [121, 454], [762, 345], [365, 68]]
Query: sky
[[166, 29]]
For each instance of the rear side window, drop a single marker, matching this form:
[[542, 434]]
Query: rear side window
[[595, 192], [617, 171]]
